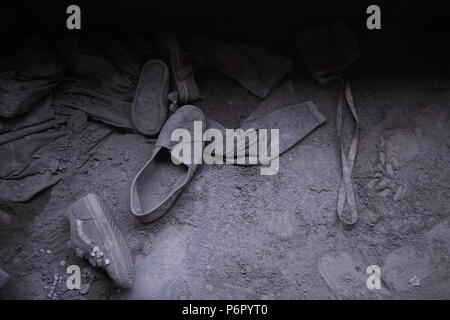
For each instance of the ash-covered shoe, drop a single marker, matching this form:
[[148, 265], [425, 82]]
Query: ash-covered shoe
[[158, 184], [150, 103], [94, 236], [182, 72]]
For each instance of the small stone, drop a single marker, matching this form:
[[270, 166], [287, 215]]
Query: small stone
[[383, 182], [49, 251], [382, 157], [107, 262], [173, 97], [77, 121], [414, 281], [384, 192], [79, 252], [209, 287], [372, 183], [389, 169], [62, 263], [41, 250], [378, 175], [85, 288], [53, 165], [5, 218], [398, 193]]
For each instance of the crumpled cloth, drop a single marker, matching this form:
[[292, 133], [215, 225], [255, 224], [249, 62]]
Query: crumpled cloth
[[103, 77], [33, 163], [255, 68]]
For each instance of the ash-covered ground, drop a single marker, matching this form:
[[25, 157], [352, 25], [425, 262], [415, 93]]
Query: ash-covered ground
[[235, 234]]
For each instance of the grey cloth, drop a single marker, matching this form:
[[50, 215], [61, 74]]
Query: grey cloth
[[24, 189], [4, 277], [36, 162], [103, 78], [40, 114], [255, 68], [281, 110], [18, 154]]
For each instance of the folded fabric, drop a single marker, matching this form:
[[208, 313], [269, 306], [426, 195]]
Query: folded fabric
[[40, 114], [103, 78], [26, 188], [102, 107], [18, 154], [17, 134], [33, 163], [255, 68]]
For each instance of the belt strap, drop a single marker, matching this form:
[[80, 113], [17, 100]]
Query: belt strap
[[346, 194]]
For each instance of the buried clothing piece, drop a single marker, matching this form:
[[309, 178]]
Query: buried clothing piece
[[27, 76], [22, 190], [21, 176], [38, 161], [326, 51], [255, 68], [282, 110], [17, 155], [105, 108], [158, 184], [102, 82]]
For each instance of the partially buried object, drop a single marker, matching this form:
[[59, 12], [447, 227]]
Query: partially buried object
[[150, 103], [182, 72], [157, 185], [94, 236], [4, 277]]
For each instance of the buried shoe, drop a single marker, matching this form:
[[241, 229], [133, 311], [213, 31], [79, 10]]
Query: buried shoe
[[182, 73], [150, 103], [94, 236], [4, 277], [157, 185]]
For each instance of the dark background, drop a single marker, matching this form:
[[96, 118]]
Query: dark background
[[408, 26]]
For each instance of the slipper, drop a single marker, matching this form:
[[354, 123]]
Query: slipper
[[182, 72], [149, 108], [157, 185]]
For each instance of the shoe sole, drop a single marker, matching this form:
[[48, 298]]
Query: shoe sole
[[150, 103]]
